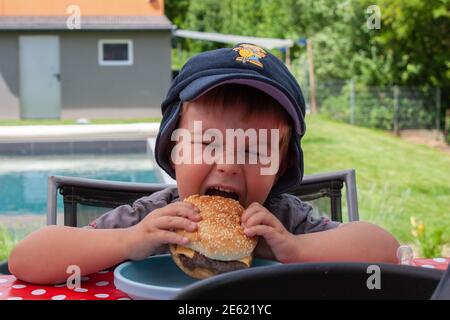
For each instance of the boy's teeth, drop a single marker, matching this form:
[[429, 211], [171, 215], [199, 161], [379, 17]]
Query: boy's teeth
[[223, 189], [224, 192]]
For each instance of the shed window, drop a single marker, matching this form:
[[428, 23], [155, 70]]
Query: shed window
[[115, 52]]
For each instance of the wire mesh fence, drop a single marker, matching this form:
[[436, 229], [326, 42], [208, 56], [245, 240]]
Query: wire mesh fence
[[385, 107]]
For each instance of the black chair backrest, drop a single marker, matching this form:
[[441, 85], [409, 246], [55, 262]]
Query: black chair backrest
[[331, 190], [94, 201], [86, 199], [4, 267]]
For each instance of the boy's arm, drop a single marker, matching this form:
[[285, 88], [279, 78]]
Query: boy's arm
[[354, 241], [43, 256]]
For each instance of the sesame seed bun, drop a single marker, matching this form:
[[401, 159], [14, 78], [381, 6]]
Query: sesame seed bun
[[219, 235]]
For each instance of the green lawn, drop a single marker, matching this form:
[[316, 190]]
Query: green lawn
[[396, 179], [73, 121]]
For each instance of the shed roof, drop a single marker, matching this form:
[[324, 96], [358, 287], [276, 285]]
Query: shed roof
[[87, 23]]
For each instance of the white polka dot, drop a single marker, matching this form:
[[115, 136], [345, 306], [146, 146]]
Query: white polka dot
[[60, 285], [38, 292], [102, 295], [4, 281], [429, 266], [15, 298], [440, 260], [84, 278], [81, 290], [59, 297], [102, 283], [103, 271], [124, 299], [19, 286], [1, 293]]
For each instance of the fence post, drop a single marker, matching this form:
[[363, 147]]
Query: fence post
[[288, 58], [306, 81], [312, 82], [438, 108], [352, 102], [396, 110], [179, 53], [447, 124]]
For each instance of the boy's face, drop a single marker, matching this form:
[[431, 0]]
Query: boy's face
[[245, 179]]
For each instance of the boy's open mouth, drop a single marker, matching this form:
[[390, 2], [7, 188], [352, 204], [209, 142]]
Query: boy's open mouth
[[223, 192]]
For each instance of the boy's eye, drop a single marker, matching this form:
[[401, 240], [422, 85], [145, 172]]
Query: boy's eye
[[256, 152], [205, 143]]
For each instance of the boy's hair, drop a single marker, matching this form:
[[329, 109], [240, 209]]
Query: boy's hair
[[227, 96]]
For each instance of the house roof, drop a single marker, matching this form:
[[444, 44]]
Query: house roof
[[87, 23], [86, 7]]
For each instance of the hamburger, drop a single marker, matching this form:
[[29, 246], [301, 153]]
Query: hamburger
[[219, 244]]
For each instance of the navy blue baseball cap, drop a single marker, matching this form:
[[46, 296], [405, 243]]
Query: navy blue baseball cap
[[244, 64]]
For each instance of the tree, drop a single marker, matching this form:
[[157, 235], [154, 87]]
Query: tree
[[411, 48]]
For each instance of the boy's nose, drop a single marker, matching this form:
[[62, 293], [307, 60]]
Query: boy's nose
[[228, 169]]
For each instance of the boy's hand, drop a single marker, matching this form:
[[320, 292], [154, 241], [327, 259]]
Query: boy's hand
[[158, 228], [258, 221]]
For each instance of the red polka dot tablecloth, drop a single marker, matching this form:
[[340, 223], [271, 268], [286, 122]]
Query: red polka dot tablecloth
[[435, 263], [97, 286], [100, 286]]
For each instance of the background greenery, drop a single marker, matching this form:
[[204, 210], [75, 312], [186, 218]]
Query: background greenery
[[411, 50], [6, 243], [392, 185], [412, 47]]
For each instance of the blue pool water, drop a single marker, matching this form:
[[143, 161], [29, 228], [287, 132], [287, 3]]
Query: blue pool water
[[23, 180]]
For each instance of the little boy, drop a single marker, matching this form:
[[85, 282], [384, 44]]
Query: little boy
[[241, 93]]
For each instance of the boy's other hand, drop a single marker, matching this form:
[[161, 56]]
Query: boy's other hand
[[159, 227], [279, 243]]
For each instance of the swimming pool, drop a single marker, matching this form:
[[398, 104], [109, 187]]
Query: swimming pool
[[23, 180]]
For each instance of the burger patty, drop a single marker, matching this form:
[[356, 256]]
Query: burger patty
[[200, 261]]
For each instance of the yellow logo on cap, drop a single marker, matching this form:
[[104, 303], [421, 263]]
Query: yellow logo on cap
[[250, 53]]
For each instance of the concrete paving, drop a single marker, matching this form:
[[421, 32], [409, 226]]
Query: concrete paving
[[81, 132]]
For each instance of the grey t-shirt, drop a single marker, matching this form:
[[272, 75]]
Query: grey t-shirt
[[296, 216]]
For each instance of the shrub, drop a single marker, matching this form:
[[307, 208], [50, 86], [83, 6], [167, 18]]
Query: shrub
[[6, 243], [429, 240]]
